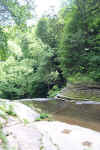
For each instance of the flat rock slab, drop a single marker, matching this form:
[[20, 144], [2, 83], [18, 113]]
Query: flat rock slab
[[24, 112], [21, 137], [28, 137], [70, 137], [53, 135], [45, 135]]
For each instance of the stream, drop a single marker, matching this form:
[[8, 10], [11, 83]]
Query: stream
[[82, 113]]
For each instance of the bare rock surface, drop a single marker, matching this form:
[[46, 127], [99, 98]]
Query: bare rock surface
[[23, 137], [28, 137], [54, 135], [70, 137], [24, 112], [45, 135]]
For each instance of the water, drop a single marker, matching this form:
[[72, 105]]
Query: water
[[85, 114]]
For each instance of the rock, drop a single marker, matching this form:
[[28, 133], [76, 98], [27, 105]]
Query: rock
[[46, 135], [81, 91], [77, 139], [28, 137], [24, 112], [23, 137], [2, 121], [12, 121]]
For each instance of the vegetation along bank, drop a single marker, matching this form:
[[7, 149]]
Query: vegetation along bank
[[60, 49]]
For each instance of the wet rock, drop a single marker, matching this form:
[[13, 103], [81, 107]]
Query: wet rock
[[87, 143], [66, 131]]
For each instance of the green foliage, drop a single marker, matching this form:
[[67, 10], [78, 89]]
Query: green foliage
[[25, 121], [39, 59], [3, 45], [41, 147], [42, 116], [79, 47], [20, 13], [4, 139], [41, 31], [10, 110], [20, 75], [6, 109], [12, 78], [3, 115], [54, 91], [48, 30], [80, 78]]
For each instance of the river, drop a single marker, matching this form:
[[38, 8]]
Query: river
[[82, 113]]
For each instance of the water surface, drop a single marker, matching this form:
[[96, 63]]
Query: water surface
[[85, 114]]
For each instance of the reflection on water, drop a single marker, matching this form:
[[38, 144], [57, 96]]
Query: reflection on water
[[83, 114]]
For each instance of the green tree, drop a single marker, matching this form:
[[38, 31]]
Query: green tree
[[79, 46], [20, 13], [3, 45], [48, 30], [19, 74]]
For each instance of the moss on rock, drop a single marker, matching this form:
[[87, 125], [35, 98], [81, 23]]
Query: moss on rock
[[82, 91]]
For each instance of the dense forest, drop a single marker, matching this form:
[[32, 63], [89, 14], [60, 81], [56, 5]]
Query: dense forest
[[39, 60]]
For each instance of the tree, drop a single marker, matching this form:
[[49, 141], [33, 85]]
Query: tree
[[3, 45], [48, 30], [79, 47], [20, 13], [12, 11]]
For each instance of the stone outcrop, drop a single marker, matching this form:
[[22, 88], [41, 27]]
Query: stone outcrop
[[81, 92], [24, 133]]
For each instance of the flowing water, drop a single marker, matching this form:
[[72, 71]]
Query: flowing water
[[86, 113]]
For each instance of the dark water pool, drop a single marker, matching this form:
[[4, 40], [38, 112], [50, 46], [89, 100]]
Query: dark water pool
[[86, 114]]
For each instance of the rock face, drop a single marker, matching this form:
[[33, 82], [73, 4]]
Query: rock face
[[44, 135], [81, 91]]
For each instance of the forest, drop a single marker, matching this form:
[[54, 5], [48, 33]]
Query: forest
[[39, 60]]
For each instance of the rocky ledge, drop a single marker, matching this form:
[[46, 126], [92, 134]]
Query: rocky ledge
[[80, 91], [20, 131]]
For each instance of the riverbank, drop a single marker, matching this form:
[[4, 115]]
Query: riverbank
[[80, 91], [20, 130]]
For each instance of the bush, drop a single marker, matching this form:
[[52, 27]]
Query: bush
[[53, 92]]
